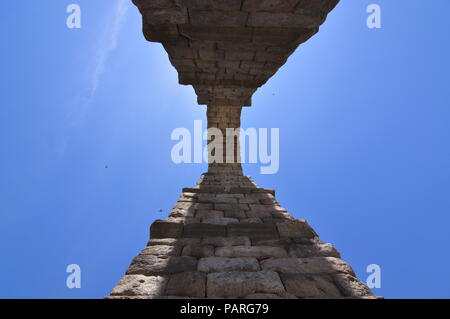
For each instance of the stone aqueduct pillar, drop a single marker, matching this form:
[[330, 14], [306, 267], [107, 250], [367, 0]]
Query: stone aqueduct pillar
[[226, 237], [227, 119]]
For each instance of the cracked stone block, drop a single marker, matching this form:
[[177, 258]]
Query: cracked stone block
[[351, 286], [319, 250], [165, 229], [241, 284], [204, 230], [251, 251], [139, 285], [253, 230], [156, 265], [163, 250], [188, 284], [306, 286], [298, 228], [226, 241], [221, 264], [307, 265], [198, 251]]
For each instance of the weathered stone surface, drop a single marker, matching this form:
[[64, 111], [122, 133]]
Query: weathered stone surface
[[220, 221], [165, 229], [139, 285], [259, 252], [319, 250], [183, 220], [262, 296], [278, 242], [258, 214], [312, 7], [350, 286], [163, 250], [226, 241], [166, 16], [201, 18], [283, 295], [183, 209], [198, 251], [307, 265], [251, 220], [174, 241], [253, 230], [273, 220], [156, 265], [305, 286], [130, 297], [209, 213], [221, 264], [204, 230], [233, 5], [235, 213], [269, 5], [298, 228], [187, 284], [241, 284], [307, 241]]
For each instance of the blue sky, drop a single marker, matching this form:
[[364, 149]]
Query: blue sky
[[364, 152]]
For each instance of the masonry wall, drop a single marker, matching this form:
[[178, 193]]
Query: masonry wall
[[226, 237]]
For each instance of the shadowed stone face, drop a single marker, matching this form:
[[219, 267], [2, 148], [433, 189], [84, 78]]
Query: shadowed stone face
[[226, 49], [227, 237]]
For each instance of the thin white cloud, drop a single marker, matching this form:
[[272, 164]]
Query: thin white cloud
[[109, 43]]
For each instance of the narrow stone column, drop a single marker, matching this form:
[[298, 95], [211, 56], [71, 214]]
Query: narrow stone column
[[224, 158]]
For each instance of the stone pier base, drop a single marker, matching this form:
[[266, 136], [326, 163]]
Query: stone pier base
[[229, 238]]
